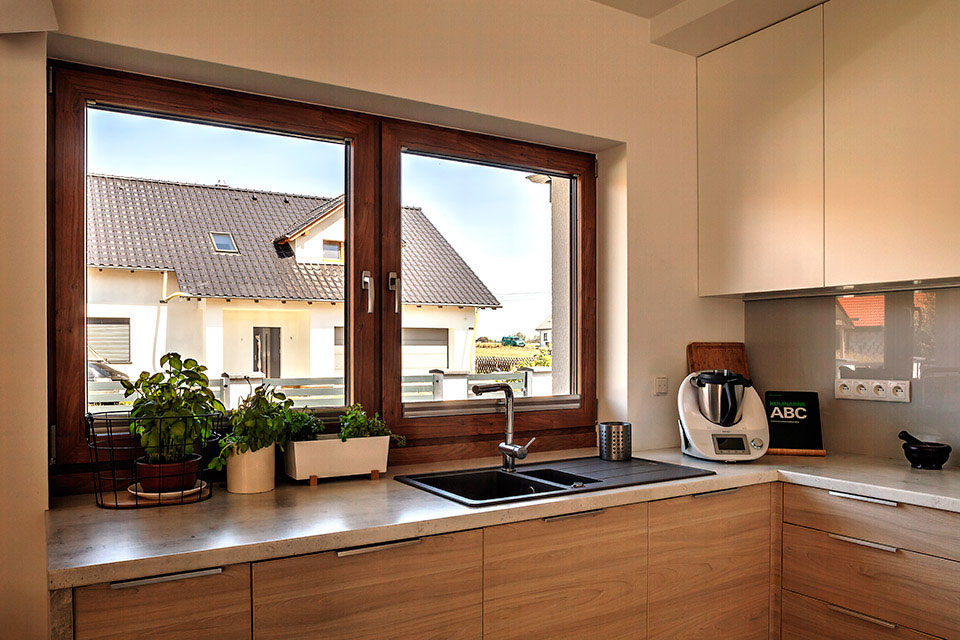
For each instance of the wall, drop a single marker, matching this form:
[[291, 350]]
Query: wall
[[546, 66], [23, 362], [794, 344]]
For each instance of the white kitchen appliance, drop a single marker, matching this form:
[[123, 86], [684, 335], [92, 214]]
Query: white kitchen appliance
[[721, 417]]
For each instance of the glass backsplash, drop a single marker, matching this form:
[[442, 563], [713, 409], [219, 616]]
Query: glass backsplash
[[806, 344]]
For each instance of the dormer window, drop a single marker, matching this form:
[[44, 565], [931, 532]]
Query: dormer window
[[223, 242], [333, 251]]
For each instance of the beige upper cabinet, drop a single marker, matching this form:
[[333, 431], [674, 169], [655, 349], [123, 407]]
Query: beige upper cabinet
[[892, 140], [760, 158]]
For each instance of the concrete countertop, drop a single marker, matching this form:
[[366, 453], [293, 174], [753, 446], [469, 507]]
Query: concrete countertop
[[88, 545]]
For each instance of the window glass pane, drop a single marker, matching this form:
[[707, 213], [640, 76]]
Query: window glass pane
[[486, 266], [331, 250], [211, 241], [223, 242]]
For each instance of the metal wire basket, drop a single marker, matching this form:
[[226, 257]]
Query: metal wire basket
[[124, 476]]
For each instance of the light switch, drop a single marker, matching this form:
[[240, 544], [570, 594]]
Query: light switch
[[660, 386]]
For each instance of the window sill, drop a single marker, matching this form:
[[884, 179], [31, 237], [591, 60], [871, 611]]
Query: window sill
[[479, 407]]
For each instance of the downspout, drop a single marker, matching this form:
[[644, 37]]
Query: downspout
[[164, 298], [473, 341]]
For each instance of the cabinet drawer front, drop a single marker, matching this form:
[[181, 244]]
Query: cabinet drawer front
[[805, 618], [569, 578], [427, 590], [929, 531], [190, 605], [903, 587]]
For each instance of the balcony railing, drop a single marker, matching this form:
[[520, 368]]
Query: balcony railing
[[329, 392]]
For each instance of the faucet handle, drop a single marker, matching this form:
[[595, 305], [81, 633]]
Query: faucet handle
[[522, 452]]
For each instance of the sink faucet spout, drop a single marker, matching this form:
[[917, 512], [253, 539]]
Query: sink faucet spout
[[508, 450]]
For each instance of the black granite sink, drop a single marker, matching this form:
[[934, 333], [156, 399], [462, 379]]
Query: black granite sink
[[481, 487]]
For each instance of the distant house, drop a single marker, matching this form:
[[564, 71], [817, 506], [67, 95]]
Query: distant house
[[860, 336], [252, 281], [545, 332]]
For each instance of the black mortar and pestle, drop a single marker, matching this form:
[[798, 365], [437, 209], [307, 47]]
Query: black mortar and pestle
[[924, 455]]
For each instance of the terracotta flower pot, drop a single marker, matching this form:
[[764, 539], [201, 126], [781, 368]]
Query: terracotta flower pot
[[168, 476]]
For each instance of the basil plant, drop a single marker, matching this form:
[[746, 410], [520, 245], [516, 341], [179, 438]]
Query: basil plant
[[173, 409]]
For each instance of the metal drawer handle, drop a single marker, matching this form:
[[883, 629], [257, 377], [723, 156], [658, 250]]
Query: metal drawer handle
[[707, 494], [864, 543], [377, 547], [853, 496], [127, 584], [568, 516], [862, 616]]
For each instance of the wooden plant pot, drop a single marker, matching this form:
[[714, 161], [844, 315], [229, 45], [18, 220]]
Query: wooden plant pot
[[251, 472], [330, 457]]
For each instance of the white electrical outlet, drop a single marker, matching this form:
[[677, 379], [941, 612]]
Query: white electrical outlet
[[876, 390]]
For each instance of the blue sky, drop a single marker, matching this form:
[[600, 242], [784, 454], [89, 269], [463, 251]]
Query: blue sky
[[495, 218]]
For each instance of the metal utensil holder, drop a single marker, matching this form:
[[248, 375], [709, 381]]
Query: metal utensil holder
[[615, 440]]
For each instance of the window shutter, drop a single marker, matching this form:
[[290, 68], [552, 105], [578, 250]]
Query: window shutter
[[109, 338]]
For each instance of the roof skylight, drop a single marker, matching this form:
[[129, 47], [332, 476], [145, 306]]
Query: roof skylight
[[223, 242]]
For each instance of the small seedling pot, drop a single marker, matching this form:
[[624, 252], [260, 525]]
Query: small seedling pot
[[168, 476], [251, 472]]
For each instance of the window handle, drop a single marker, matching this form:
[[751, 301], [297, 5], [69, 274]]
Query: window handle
[[393, 284], [366, 282]]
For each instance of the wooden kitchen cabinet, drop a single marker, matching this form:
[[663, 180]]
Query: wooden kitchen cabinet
[[760, 160], [892, 139], [192, 605], [709, 568], [930, 531], [805, 618], [428, 588], [577, 577], [916, 590]]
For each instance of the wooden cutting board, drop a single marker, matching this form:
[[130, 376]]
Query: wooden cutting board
[[717, 355]]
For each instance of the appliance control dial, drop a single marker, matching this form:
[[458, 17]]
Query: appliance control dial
[[756, 443]]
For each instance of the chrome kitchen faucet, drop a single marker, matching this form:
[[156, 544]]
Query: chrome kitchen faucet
[[510, 451]]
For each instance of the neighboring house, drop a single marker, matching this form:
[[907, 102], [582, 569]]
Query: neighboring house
[[545, 332], [860, 335], [250, 281]]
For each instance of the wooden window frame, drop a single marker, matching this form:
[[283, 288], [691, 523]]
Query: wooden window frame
[[373, 176], [77, 86], [477, 434]]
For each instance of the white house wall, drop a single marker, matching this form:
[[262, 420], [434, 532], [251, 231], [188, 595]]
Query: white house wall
[[220, 333], [309, 248], [295, 334], [116, 293]]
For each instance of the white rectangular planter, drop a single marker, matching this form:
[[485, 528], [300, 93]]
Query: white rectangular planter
[[330, 457]]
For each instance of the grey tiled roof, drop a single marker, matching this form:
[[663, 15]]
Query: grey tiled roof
[[134, 223]]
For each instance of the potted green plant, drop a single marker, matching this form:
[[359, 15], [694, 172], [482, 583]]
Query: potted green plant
[[257, 426], [361, 446], [173, 413]]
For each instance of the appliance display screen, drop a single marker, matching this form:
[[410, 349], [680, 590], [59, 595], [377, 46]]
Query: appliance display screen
[[731, 444]]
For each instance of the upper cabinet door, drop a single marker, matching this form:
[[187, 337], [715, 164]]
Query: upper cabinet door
[[760, 150], [892, 140]]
